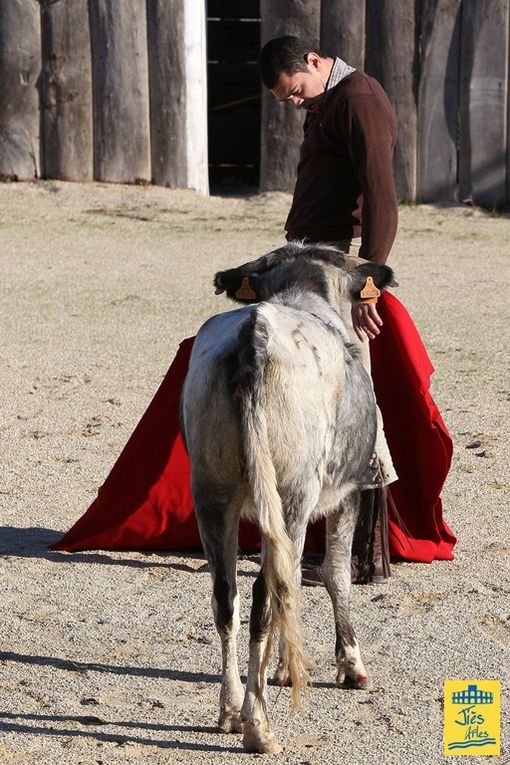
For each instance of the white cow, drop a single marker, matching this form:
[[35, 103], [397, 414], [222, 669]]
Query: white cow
[[279, 420]]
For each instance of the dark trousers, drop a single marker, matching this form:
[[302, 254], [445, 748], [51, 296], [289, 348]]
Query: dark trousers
[[370, 546]]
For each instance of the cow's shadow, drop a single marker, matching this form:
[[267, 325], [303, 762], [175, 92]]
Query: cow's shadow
[[94, 727], [84, 667], [58, 725]]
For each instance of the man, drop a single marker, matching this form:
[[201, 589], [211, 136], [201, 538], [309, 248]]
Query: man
[[344, 190]]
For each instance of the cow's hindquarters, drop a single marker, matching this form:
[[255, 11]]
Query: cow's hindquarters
[[211, 427], [278, 575]]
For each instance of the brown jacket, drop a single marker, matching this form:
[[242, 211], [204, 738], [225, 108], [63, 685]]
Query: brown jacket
[[345, 185]]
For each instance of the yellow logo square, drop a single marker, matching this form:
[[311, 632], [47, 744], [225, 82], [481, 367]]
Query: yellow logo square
[[472, 717]]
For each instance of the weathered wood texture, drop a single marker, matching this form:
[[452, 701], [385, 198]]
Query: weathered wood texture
[[20, 66], [343, 30], [121, 90], [195, 36], [67, 136], [391, 59], [121, 87], [439, 47], [167, 76], [484, 101], [282, 124]]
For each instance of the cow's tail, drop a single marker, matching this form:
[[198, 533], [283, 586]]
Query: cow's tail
[[279, 564]]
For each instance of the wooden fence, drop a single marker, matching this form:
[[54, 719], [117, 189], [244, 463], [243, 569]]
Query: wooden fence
[[116, 90]]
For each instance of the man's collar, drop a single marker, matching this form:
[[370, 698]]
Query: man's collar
[[339, 71]]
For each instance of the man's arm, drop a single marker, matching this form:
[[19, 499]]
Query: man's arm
[[370, 130]]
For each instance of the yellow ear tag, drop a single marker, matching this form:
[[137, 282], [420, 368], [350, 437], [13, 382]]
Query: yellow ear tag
[[245, 292], [369, 293]]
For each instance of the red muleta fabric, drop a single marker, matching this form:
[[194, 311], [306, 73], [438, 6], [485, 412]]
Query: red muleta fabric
[[146, 503]]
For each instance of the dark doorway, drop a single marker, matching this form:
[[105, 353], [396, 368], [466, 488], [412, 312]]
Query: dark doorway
[[233, 44]]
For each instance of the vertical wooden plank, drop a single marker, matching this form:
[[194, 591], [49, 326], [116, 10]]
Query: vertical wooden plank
[[121, 90], [438, 99], [67, 91], [343, 30], [508, 128], [178, 93], [167, 73], [20, 65], [483, 101], [390, 58], [282, 124], [196, 95]]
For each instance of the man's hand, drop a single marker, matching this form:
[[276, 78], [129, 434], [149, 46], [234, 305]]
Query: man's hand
[[365, 320]]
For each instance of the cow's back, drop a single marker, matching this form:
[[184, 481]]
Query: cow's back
[[296, 363], [303, 379]]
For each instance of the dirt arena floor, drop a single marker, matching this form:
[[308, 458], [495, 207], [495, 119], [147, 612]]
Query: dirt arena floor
[[109, 658]]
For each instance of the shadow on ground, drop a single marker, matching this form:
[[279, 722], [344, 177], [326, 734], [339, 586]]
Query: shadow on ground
[[85, 667], [34, 543], [7, 725]]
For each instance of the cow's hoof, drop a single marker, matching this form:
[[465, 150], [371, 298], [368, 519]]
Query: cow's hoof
[[230, 722], [282, 677], [262, 743], [362, 682]]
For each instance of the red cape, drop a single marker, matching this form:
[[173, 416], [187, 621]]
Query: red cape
[[145, 502]]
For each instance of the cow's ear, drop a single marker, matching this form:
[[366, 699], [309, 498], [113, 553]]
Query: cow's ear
[[382, 277], [233, 280], [239, 285]]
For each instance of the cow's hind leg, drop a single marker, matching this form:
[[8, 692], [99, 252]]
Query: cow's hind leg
[[257, 733], [336, 572], [218, 523]]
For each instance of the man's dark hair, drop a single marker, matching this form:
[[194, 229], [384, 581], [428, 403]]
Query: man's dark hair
[[284, 54]]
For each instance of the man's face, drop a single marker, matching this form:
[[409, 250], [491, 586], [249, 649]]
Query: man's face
[[302, 89]]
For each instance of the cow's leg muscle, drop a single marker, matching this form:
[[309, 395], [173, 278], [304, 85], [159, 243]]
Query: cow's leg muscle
[[218, 524], [258, 736], [336, 572]]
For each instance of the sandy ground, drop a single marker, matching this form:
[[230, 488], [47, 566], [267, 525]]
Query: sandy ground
[[112, 657]]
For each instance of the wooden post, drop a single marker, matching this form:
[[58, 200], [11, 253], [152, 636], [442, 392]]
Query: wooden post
[[196, 95], [121, 90], [343, 30], [484, 102], [439, 43], [282, 124], [178, 93], [67, 91], [20, 66], [508, 138], [390, 58], [165, 27]]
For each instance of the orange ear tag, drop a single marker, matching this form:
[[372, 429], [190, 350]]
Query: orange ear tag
[[369, 293], [245, 292]]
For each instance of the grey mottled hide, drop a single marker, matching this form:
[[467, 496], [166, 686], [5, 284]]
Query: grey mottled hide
[[279, 420]]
